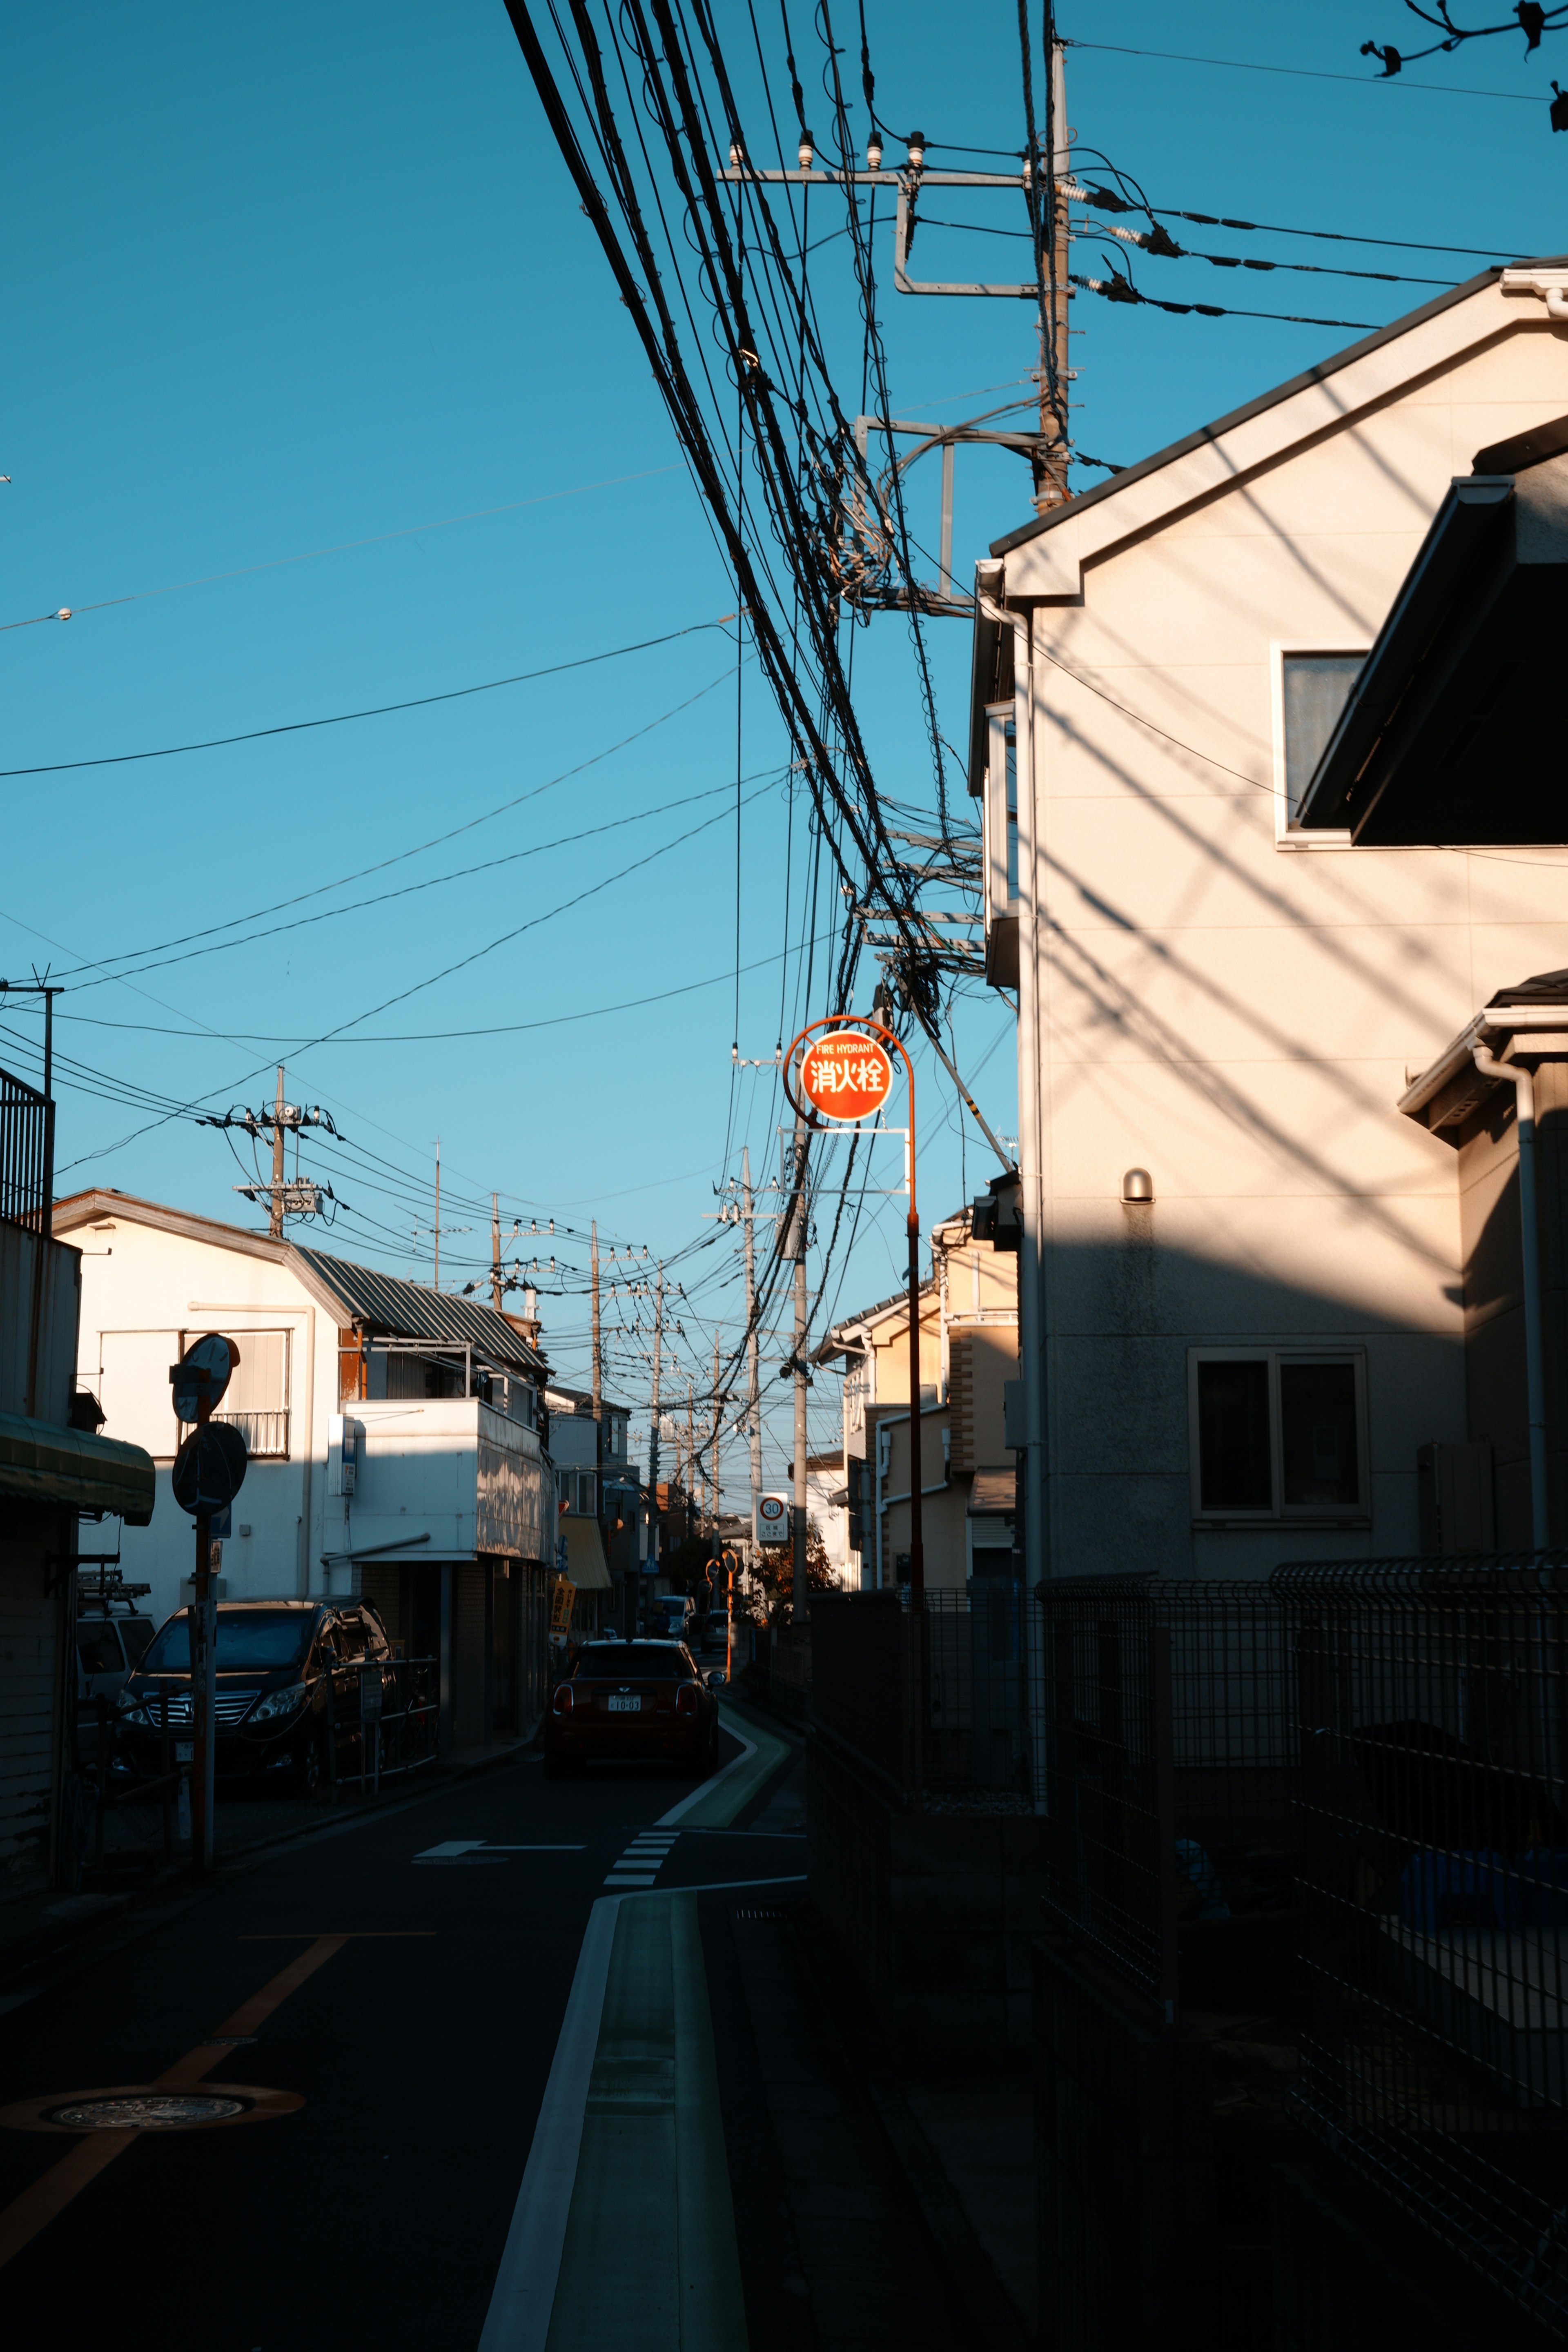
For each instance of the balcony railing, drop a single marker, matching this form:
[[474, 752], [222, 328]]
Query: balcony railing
[[23, 1151], [266, 1434]]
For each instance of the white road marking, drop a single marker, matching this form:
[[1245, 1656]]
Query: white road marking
[[706, 1788], [525, 2292], [450, 1849]]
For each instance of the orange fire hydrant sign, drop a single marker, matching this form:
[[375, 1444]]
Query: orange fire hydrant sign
[[847, 1074]]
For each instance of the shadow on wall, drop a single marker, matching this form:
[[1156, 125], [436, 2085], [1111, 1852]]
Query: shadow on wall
[[1203, 1418]]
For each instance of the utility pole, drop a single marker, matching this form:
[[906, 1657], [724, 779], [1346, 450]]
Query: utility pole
[[754, 1375], [1051, 467], [690, 1455], [652, 1415], [437, 1283], [598, 1391], [275, 1216], [495, 1252], [797, 1248], [713, 1462]]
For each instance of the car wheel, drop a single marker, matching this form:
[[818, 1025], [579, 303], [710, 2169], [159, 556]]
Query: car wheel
[[308, 1771], [555, 1765]]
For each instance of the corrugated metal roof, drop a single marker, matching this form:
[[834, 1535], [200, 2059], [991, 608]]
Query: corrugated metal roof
[[410, 1310]]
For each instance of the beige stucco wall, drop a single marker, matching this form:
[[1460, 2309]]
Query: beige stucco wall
[[1237, 1016]]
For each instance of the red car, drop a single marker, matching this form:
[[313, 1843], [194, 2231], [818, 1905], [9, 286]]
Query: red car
[[637, 1701]]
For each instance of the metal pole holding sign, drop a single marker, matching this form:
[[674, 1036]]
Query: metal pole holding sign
[[208, 1471]]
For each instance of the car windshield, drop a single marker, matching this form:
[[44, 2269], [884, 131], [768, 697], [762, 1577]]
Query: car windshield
[[629, 1661], [256, 1638]]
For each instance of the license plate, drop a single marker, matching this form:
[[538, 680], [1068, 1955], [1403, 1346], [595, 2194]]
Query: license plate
[[622, 1706], [184, 1751]]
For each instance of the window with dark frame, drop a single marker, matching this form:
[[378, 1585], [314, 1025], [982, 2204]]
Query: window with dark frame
[[1278, 1435]]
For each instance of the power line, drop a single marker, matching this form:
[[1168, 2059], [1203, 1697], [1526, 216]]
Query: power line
[[1299, 73], [400, 856], [379, 710], [346, 547]]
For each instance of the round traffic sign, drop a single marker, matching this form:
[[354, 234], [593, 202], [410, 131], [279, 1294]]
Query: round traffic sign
[[202, 1375], [845, 1075], [209, 1469], [772, 1518]]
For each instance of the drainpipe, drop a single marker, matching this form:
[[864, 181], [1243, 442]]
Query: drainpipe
[[1530, 1255], [990, 586]]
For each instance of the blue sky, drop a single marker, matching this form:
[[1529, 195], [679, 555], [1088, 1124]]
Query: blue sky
[[278, 286]]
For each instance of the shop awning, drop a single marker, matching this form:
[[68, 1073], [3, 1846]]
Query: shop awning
[[585, 1562], [41, 1464], [993, 1494]]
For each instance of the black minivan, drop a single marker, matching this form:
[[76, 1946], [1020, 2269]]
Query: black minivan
[[273, 1673]]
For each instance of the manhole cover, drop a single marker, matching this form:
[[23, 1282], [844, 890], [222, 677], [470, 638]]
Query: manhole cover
[[146, 2111]]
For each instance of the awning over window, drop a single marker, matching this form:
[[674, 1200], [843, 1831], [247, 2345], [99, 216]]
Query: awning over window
[[585, 1562], [41, 1464], [993, 1494]]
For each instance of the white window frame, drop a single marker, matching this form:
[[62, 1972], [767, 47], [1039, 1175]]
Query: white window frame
[[1280, 1514], [1286, 834], [999, 718]]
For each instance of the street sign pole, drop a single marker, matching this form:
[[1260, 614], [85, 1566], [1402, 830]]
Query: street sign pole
[[208, 1470], [203, 1644], [845, 1075]]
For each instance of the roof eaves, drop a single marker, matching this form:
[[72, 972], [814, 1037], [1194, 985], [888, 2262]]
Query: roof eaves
[[1221, 426]]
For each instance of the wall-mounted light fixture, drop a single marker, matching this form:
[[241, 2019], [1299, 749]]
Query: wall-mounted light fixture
[[1137, 1186]]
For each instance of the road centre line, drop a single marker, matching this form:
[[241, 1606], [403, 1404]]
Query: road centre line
[[50, 2194]]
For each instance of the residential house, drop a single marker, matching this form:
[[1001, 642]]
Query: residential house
[[393, 1433], [1247, 1283], [58, 1480], [828, 1507], [969, 1350], [603, 1522]]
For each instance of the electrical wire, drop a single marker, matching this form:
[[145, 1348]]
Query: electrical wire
[[379, 710], [1299, 73], [346, 547]]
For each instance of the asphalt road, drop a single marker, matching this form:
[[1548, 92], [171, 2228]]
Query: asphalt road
[[413, 1970]]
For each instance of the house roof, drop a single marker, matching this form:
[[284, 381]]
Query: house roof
[[1119, 484], [1443, 1099], [843, 1336], [411, 1310], [1046, 557], [379, 1303], [582, 1400]]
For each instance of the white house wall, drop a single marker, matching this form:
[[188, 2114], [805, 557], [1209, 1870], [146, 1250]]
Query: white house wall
[[142, 1288], [1240, 1017]]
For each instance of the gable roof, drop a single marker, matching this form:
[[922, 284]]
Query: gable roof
[[1042, 535], [379, 1303]]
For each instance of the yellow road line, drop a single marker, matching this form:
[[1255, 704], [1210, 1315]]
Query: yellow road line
[[37, 2207]]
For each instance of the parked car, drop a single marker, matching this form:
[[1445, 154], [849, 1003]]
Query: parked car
[[629, 1701], [276, 1665], [678, 1614], [107, 1646]]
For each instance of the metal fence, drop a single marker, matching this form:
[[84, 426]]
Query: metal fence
[[1170, 1770], [1433, 1898], [23, 1151], [934, 1700]]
